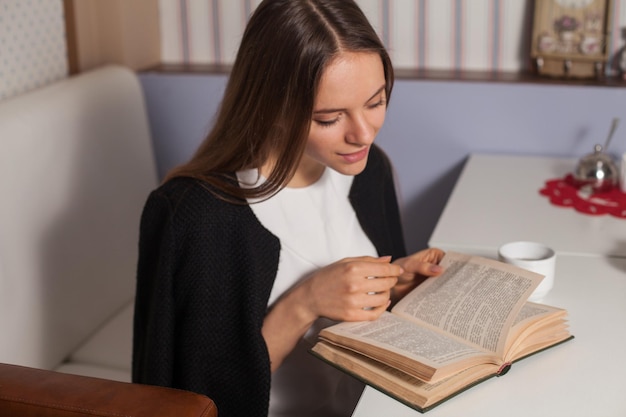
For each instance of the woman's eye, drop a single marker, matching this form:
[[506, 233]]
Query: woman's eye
[[382, 102], [326, 123]]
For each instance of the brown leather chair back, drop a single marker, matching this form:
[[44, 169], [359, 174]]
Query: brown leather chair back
[[30, 392]]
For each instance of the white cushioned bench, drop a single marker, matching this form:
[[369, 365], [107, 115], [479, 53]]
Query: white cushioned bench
[[76, 165]]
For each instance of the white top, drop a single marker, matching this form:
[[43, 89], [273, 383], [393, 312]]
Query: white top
[[316, 226]]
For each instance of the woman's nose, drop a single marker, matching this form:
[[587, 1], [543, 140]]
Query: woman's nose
[[361, 131]]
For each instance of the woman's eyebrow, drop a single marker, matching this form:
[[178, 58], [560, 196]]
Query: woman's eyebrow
[[326, 111]]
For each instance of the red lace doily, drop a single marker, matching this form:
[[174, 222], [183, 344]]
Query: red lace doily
[[563, 193]]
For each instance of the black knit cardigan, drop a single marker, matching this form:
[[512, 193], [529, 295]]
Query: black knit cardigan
[[205, 271]]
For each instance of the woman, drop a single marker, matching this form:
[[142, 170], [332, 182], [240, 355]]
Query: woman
[[284, 221]]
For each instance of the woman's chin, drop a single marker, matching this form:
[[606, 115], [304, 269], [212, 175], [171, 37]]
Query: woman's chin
[[351, 169]]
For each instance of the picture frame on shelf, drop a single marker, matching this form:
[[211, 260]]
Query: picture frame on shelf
[[570, 38]]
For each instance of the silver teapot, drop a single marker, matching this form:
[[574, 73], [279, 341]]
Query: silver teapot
[[597, 171]]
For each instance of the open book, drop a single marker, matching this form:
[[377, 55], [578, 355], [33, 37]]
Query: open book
[[448, 334]]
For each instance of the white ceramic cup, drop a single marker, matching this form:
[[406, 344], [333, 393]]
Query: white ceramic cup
[[535, 257]]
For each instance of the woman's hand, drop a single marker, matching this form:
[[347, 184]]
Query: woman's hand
[[352, 289], [417, 268]]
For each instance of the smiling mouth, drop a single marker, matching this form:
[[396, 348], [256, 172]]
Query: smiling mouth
[[355, 156]]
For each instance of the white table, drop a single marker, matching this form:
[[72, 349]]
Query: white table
[[583, 377], [497, 200]]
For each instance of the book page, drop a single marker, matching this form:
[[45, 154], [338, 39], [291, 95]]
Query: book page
[[394, 333], [412, 391], [476, 299], [532, 310], [535, 326]]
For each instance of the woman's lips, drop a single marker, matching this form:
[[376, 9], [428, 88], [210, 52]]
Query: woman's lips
[[355, 156]]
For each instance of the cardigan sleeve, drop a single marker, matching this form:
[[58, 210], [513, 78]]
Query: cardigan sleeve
[[203, 279], [154, 322]]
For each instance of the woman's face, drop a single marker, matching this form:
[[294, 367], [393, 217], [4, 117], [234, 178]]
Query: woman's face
[[349, 111]]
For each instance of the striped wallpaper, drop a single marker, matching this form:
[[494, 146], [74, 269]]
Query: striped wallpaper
[[431, 34]]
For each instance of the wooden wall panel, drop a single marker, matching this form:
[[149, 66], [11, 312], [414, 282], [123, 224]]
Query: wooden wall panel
[[100, 32]]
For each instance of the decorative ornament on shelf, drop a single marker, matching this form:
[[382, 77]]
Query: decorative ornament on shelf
[[566, 27], [566, 24], [569, 37]]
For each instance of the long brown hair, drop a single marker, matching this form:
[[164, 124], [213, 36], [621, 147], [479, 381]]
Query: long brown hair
[[268, 102]]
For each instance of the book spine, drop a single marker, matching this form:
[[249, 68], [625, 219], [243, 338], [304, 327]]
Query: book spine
[[504, 369]]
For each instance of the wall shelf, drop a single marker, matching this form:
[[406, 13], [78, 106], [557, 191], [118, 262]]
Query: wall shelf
[[507, 77], [526, 77]]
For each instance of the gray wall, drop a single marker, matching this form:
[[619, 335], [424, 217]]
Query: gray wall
[[431, 128]]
